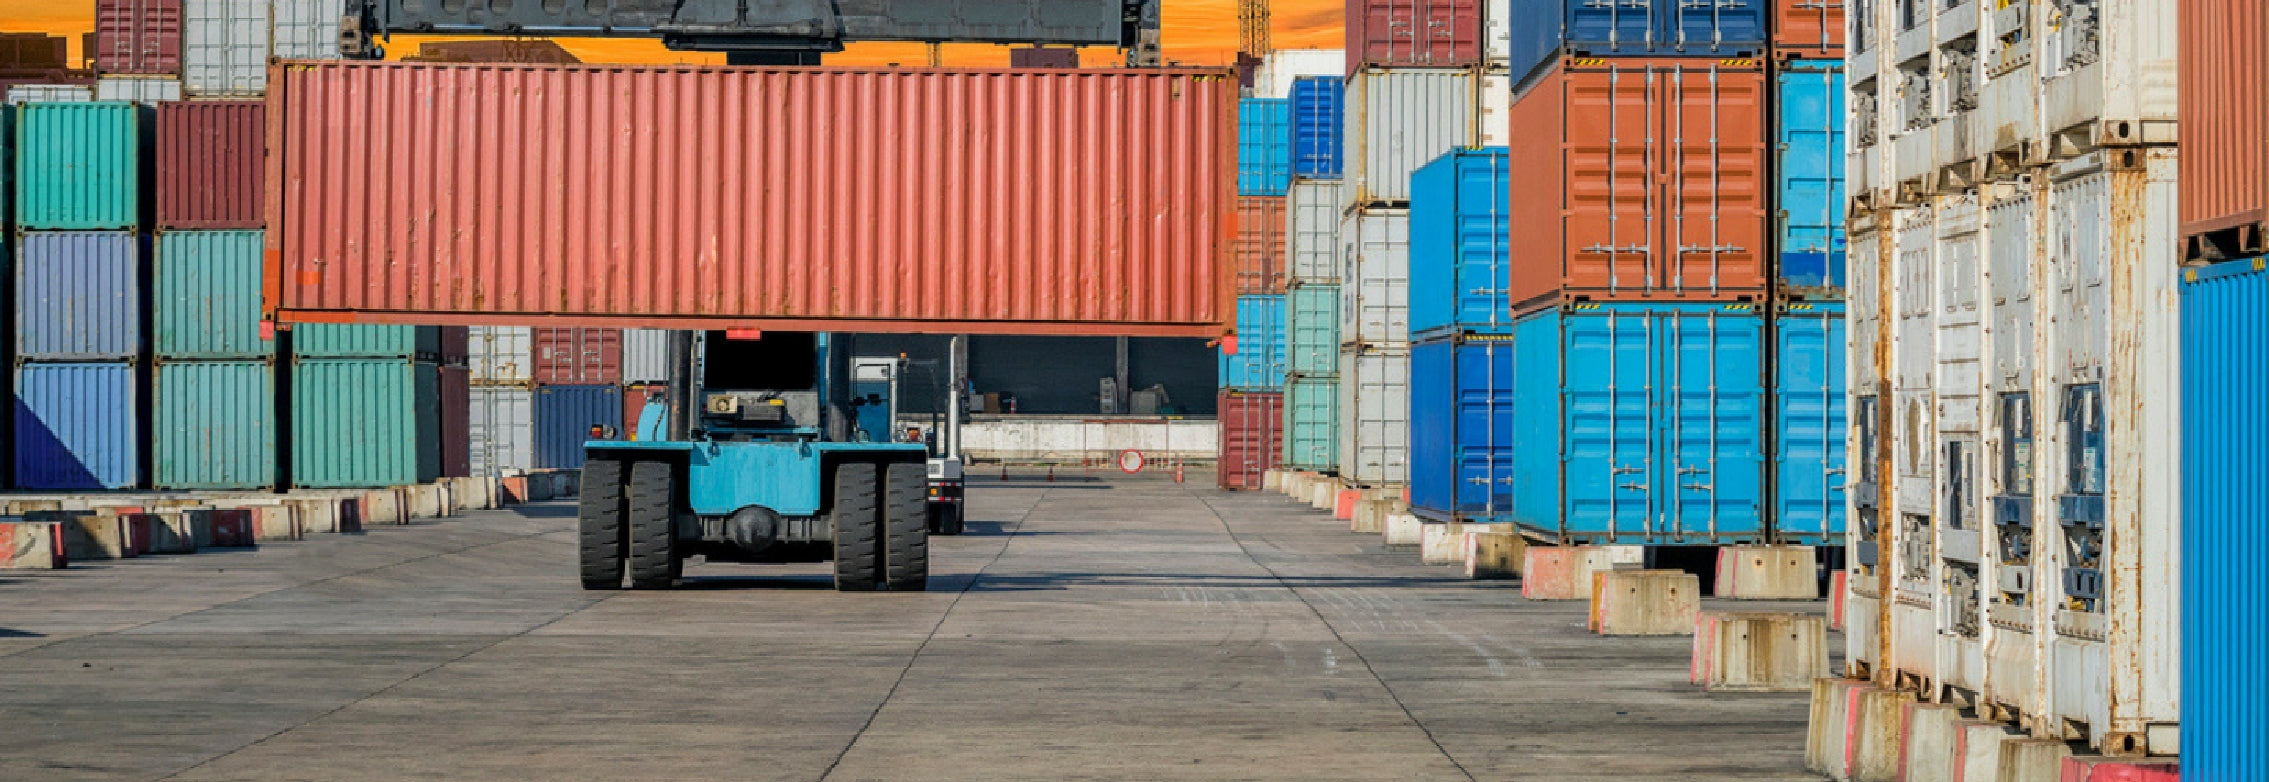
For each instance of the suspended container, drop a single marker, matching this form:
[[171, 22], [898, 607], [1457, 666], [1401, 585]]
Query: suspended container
[[1399, 119], [645, 356], [1374, 394], [78, 426], [578, 356], [137, 36], [1311, 321], [1319, 108], [224, 48], [501, 430], [2225, 591], [1640, 423], [1264, 146], [568, 416], [1543, 31], [1312, 213], [1459, 250], [1252, 436], [1810, 424], [1311, 423], [1425, 33], [1461, 427], [78, 167], [1808, 127], [207, 301], [1258, 363], [78, 296], [214, 425], [364, 423], [1259, 250], [1375, 251], [211, 168]]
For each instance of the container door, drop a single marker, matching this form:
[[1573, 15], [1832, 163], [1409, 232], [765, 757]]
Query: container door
[[1484, 412], [1810, 140], [1611, 236], [1712, 171], [1630, 26], [1711, 474], [1312, 322], [1809, 456], [1480, 224], [1609, 367], [1436, 419], [1712, 27]]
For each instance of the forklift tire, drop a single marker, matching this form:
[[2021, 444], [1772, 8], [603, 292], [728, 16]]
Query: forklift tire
[[653, 540], [857, 568], [945, 519], [906, 526], [599, 533]]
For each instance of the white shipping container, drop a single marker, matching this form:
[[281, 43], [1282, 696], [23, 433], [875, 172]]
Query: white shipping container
[[224, 47], [307, 29], [1375, 269], [500, 355], [138, 89], [1867, 166], [1957, 511], [1399, 119], [1311, 217], [645, 356], [1273, 79], [2011, 228], [50, 93], [1497, 35], [502, 430], [1868, 321], [1374, 399], [2107, 70], [1913, 603], [1493, 108]]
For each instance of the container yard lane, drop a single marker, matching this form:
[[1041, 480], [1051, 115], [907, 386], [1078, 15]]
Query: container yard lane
[[1133, 629]]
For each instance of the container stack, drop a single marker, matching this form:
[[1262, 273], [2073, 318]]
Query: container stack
[[213, 399], [367, 403], [577, 378], [1312, 300], [501, 425], [1252, 364], [1462, 355]]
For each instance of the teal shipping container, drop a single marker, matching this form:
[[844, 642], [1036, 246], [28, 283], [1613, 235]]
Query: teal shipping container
[[364, 422], [1809, 424], [1311, 423], [1258, 364], [214, 425], [78, 166], [1264, 146], [1312, 319], [340, 340], [207, 304]]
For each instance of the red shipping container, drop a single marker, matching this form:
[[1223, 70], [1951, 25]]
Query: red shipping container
[[137, 36], [634, 403], [1252, 434], [1809, 28], [1422, 33], [812, 199], [578, 357], [456, 391], [1640, 180], [1259, 251], [210, 171], [2223, 111]]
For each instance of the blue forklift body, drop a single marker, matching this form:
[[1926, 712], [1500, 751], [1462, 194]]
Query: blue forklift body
[[722, 477]]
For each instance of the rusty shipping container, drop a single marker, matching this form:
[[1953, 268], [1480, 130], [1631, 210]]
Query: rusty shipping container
[[2223, 110], [1260, 250], [574, 356], [1640, 179], [137, 36], [1413, 33], [1252, 435], [209, 172], [822, 199]]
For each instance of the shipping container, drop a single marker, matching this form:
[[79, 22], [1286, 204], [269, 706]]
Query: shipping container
[[213, 425], [1311, 325], [364, 423], [1311, 423], [1808, 128], [1493, 109], [1545, 31], [2009, 632], [1644, 179], [1259, 250], [50, 93], [1319, 108], [1399, 119], [1280, 69], [1867, 319], [1461, 428], [1252, 436], [568, 416], [78, 295], [502, 355], [1136, 244], [356, 340], [1258, 363], [78, 167], [40, 52], [224, 47], [2224, 113], [1640, 423], [645, 356], [634, 399], [2107, 72], [207, 299], [210, 171], [1374, 395], [2225, 590], [454, 387], [1420, 33], [1264, 146], [305, 29], [141, 90], [502, 430], [1808, 28], [78, 426], [1375, 252], [578, 356], [136, 36], [1810, 422], [1911, 528], [1958, 506], [1459, 250], [1312, 213]]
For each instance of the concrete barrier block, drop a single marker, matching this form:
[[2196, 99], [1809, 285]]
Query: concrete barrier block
[[1644, 602], [1839, 586], [1927, 734], [1494, 553], [1757, 651], [1767, 573], [1371, 515], [276, 522], [1403, 529], [2090, 768], [1824, 727], [89, 536], [426, 501], [1441, 543], [567, 484], [1561, 572], [1343, 503], [1323, 494], [1871, 742], [1270, 479], [220, 527], [383, 507], [2032, 760], [170, 532], [33, 545], [23, 507], [1977, 749]]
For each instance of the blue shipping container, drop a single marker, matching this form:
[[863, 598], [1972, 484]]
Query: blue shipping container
[[78, 425], [1317, 105], [1809, 420], [2225, 588], [1258, 364], [1264, 146], [1809, 138], [79, 296], [1545, 30], [1640, 423], [1461, 428], [1459, 217], [564, 416]]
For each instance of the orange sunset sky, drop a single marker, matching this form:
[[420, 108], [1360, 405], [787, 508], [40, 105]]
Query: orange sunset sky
[[1195, 31]]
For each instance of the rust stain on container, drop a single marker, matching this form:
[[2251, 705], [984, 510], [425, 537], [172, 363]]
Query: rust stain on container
[[1260, 249], [828, 199], [2223, 110], [209, 164]]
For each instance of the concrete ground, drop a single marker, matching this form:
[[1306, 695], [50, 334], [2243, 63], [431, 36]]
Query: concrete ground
[[1137, 629]]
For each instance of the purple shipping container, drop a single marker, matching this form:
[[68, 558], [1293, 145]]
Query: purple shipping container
[[78, 296], [78, 426], [456, 391]]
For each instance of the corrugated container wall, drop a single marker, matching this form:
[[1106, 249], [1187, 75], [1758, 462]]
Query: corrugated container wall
[[78, 296], [224, 49], [1546, 30], [501, 429], [645, 356], [306, 29], [940, 161], [1319, 108], [564, 418], [364, 422], [1400, 119], [214, 425], [2224, 108], [207, 299], [454, 386], [211, 171], [342, 340], [1461, 428], [1259, 252], [78, 426], [1458, 244], [1280, 68], [1424, 33], [1258, 363], [140, 90], [1311, 423], [1809, 180], [1694, 230], [2225, 590], [1810, 422], [137, 36], [1376, 253], [1808, 28], [1252, 436], [1312, 212], [578, 356], [1264, 146], [1374, 394], [19, 94], [502, 355], [78, 167], [1311, 323]]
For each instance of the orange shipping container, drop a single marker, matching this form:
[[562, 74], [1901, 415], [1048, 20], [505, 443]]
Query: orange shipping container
[[1640, 180], [808, 199], [1260, 249], [2224, 116], [1809, 28]]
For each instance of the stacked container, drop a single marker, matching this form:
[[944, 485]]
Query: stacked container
[[367, 405], [1252, 366], [214, 391], [1462, 357], [501, 423], [1312, 300]]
